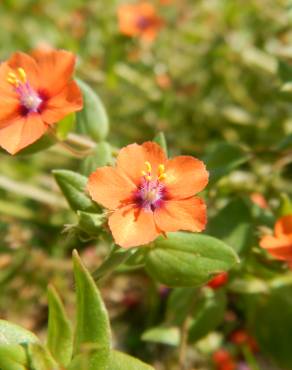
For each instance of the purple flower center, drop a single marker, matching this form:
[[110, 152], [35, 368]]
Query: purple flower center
[[29, 99], [143, 22], [151, 192]]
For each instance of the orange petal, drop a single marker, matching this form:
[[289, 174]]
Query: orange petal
[[131, 159], [186, 214], [6, 90], [127, 14], [22, 132], [284, 226], [67, 101], [132, 227], [185, 176], [22, 60], [56, 69], [9, 110], [279, 247], [109, 187]]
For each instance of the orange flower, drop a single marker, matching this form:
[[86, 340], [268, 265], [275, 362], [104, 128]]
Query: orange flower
[[280, 244], [35, 92], [149, 195], [223, 360], [139, 20], [218, 281]]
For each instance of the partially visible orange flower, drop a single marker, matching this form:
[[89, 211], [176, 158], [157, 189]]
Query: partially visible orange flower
[[36, 91], [139, 20], [279, 245], [218, 281], [259, 200], [223, 360], [148, 194]]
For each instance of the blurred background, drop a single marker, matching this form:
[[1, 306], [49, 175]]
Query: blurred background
[[212, 77]]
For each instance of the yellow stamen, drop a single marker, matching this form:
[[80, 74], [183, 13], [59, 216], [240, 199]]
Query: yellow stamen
[[161, 172], [22, 74], [148, 178], [12, 79], [148, 166]]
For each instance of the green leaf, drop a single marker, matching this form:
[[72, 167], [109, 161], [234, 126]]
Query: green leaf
[[91, 223], [60, 334], [186, 259], [73, 187], [224, 158], [113, 260], [12, 357], [39, 358], [178, 304], [92, 326], [163, 335], [233, 225], [208, 315], [270, 321], [65, 126], [101, 156], [285, 205], [121, 361], [92, 120], [14, 334], [160, 140]]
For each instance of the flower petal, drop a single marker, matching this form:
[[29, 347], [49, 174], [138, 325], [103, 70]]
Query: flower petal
[[131, 159], [132, 227], [22, 132], [185, 214], [67, 101], [185, 176], [110, 188], [9, 110], [284, 226], [56, 68], [6, 89], [28, 64], [279, 247]]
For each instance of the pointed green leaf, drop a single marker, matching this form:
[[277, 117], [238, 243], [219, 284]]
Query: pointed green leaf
[[60, 334], [73, 187], [186, 259], [208, 314], [92, 120], [12, 356], [92, 326], [39, 358], [115, 258], [90, 223], [169, 335], [14, 334], [160, 140], [121, 361]]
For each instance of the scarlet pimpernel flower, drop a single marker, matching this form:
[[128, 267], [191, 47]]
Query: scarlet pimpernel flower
[[279, 245], [149, 195], [36, 91], [139, 20]]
